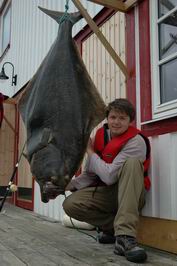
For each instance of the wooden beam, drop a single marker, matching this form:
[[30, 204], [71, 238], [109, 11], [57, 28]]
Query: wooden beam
[[9, 124], [115, 4], [129, 4], [10, 101], [103, 40]]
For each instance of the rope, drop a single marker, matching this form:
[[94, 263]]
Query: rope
[[95, 238], [65, 16], [80, 231], [67, 6]]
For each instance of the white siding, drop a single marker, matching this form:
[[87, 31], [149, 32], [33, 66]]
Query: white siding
[[1, 1], [162, 198], [52, 209], [32, 34]]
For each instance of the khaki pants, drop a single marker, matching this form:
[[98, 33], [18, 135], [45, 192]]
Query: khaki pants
[[111, 207]]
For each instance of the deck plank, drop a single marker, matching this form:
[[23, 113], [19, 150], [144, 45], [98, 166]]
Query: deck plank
[[27, 238], [7, 258]]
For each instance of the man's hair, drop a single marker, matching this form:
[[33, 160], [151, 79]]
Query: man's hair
[[122, 105]]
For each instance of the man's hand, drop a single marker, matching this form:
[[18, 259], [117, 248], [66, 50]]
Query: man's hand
[[90, 149], [70, 187]]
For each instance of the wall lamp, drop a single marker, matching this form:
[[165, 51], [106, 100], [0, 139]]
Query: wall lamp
[[4, 76]]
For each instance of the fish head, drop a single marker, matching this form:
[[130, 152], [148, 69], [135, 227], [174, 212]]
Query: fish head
[[48, 165], [50, 173]]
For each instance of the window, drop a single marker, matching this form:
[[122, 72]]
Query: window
[[5, 28], [163, 19]]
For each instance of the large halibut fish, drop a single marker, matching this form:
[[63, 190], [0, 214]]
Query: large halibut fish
[[60, 108]]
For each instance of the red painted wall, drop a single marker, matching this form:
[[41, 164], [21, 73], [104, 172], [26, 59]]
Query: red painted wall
[[153, 128], [130, 56], [145, 64]]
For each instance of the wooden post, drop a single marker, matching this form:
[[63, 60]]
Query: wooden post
[[117, 5], [129, 4], [10, 101], [9, 124], [103, 40]]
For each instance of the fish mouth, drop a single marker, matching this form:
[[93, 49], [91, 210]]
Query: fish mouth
[[51, 191]]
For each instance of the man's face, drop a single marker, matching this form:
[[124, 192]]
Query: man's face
[[118, 123]]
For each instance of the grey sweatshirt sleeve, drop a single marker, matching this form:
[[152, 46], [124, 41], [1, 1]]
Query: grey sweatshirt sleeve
[[107, 172], [84, 180], [134, 148]]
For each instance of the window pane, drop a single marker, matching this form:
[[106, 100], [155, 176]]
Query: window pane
[[168, 81], [6, 29], [168, 36], [165, 6]]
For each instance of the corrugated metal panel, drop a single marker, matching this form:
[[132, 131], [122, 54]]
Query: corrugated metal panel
[[52, 209], [161, 200], [32, 34], [107, 78]]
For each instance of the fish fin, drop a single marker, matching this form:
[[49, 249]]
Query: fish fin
[[56, 15], [25, 155], [75, 17]]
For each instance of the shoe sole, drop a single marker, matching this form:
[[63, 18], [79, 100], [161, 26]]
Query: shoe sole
[[138, 257]]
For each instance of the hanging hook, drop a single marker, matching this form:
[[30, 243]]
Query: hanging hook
[[66, 6]]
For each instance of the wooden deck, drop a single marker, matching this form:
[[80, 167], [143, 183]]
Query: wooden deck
[[29, 239]]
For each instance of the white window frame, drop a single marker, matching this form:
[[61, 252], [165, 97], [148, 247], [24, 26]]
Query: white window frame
[[167, 109], [4, 12]]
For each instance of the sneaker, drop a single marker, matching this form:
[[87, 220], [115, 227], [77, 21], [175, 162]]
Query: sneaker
[[127, 246], [106, 238]]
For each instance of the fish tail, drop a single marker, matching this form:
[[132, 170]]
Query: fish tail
[[56, 15]]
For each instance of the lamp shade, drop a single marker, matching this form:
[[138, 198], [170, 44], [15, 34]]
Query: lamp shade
[[3, 75]]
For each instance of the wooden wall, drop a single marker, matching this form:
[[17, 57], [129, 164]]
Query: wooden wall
[[24, 173], [106, 75], [7, 145]]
